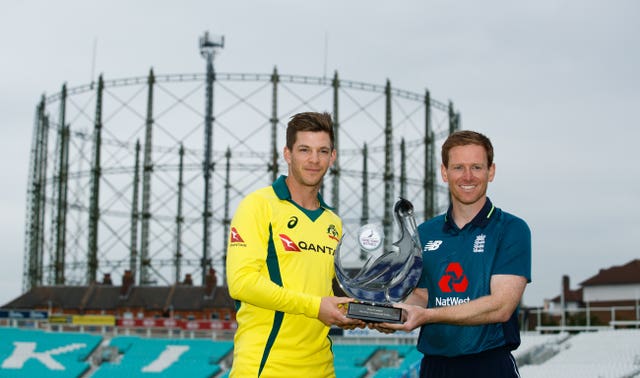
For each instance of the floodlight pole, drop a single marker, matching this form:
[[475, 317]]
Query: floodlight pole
[[208, 49]]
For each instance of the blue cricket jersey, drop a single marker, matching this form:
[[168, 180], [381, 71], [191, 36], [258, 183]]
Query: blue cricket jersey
[[457, 268]]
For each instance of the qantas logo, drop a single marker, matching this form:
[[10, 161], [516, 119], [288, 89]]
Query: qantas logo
[[235, 236], [288, 244], [291, 246]]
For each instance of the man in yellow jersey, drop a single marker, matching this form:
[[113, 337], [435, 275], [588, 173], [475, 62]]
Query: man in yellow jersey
[[280, 264]]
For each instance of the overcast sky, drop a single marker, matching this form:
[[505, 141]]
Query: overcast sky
[[553, 83]]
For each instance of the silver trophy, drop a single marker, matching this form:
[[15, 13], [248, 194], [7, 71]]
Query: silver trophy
[[386, 276]]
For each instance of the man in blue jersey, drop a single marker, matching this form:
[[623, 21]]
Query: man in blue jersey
[[476, 264]]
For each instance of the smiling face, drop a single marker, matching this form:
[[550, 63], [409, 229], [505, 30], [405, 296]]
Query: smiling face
[[468, 174], [310, 157]]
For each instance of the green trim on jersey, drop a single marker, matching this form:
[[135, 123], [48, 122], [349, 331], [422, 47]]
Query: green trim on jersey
[[282, 191], [279, 266], [272, 261], [274, 274]]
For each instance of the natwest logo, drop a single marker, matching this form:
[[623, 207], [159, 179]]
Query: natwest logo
[[454, 279]]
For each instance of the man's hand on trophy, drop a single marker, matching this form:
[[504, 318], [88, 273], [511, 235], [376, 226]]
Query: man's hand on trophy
[[380, 327], [333, 311], [412, 317]]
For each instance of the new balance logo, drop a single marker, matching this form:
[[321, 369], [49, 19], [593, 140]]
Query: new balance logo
[[432, 245]]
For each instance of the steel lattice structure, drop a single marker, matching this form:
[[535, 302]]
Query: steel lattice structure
[[143, 173]]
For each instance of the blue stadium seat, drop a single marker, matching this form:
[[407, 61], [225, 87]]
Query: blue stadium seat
[[414, 356], [388, 372], [352, 355], [350, 372], [408, 354], [165, 358], [37, 353]]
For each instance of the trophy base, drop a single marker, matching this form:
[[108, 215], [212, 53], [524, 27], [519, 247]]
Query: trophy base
[[374, 312]]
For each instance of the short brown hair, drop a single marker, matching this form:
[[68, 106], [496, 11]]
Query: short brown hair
[[309, 121], [463, 138]]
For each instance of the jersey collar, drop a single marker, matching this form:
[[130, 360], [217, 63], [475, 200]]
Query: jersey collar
[[480, 220], [282, 191]]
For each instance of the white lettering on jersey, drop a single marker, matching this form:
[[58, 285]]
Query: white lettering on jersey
[[451, 301]]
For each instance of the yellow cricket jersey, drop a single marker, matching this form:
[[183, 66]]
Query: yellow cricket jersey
[[279, 265]]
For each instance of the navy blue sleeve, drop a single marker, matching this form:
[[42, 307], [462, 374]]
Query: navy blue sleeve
[[514, 255]]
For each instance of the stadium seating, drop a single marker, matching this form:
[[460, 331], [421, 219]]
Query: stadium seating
[[352, 355], [165, 357], [614, 353], [410, 359], [536, 348], [350, 371], [374, 360], [36, 353], [349, 360]]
